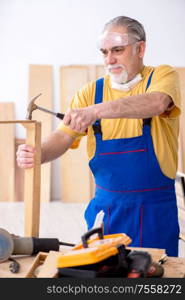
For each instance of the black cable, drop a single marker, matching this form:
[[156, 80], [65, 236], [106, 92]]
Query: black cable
[[67, 244]]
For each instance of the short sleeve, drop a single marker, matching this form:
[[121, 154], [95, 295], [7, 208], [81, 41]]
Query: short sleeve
[[165, 80]]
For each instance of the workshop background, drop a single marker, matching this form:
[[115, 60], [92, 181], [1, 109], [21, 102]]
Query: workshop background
[[49, 47]]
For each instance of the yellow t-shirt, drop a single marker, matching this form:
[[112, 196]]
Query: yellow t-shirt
[[164, 128]]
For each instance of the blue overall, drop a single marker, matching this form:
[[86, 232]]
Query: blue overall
[[136, 197]]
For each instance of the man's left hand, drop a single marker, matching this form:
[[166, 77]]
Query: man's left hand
[[79, 119]]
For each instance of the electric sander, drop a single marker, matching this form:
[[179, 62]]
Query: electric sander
[[14, 245]]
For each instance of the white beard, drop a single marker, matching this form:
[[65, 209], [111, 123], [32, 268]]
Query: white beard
[[120, 81], [119, 78]]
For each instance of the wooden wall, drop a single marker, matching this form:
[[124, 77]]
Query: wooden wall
[[41, 81], [7, 153]]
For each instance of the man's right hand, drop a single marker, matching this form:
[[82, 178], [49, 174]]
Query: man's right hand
[[56, 144], [25, 156]]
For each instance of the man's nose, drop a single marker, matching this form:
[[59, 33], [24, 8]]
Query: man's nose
[[110, 58]]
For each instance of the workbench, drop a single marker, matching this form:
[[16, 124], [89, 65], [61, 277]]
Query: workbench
[[174, 267]]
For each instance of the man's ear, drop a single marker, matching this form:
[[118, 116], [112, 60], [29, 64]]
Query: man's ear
[[141, 48]]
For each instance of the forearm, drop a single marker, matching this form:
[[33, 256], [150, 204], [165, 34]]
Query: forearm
[[136, 107], [55, 145]]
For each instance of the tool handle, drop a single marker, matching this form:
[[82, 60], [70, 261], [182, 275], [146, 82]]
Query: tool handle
[[29, 246], [60, 116], [45, 245], [88, 234]]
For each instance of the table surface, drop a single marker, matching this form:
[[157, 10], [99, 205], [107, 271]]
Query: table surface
[[174, 267]]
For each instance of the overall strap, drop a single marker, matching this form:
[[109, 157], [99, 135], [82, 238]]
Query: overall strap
[[149, 81], [99, 91], [148, 121], [98, 99]]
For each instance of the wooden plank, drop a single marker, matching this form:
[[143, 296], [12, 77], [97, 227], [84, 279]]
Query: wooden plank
[[41, 81], [49, 267], [95, 72], [37, 262], [7, 153], [77, 186], [100, 71], [45, 264], [181, 165], [174, 267], [32, 178], [19, 175], [32, 182], [17, 122]]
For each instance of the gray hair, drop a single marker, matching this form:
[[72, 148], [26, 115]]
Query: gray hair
[[133, 26]]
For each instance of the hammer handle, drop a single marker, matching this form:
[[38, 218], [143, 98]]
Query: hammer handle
[[60, 116]]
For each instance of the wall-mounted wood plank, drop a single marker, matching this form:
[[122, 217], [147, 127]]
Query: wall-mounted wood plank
[[41, 81], [76, 178], [75, 181], [7, 153]]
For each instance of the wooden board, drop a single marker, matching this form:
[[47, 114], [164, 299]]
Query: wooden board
[[41, 81], [19, 175], [31, 178], [75, 185], [32, 182], [7, 153], [37, 262], [77, 181]]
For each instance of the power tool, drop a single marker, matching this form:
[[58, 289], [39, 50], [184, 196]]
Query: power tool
[[15, 245]]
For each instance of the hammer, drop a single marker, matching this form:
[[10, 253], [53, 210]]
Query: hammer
[[32, 106]]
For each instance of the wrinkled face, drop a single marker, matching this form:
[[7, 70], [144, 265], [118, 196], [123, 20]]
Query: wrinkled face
[[122, 54]]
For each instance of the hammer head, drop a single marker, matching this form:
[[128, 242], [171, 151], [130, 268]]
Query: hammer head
[[31, 107]]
